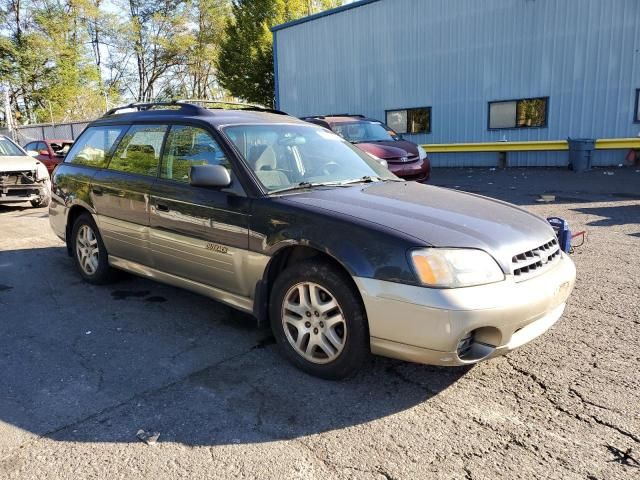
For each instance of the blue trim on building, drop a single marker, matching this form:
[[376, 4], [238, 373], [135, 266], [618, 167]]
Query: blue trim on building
[[276, 86], [326, 13]]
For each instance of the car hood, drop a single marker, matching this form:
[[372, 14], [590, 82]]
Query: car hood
[[18, 164], [437, 216], [409, 147], [385, 152]]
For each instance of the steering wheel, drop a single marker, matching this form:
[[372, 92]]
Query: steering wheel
[[330, 168]]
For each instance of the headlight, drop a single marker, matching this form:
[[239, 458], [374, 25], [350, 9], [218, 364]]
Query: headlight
[[422, 153], [451, 268]]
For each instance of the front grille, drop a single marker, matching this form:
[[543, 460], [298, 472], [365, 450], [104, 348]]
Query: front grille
[[407, 159], [17, 178], [528, 263]]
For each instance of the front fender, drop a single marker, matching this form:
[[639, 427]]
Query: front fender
[[364, 249]]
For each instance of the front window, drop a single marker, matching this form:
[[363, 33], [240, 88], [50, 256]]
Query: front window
[[9, 149], [286, 156], [361, 132]]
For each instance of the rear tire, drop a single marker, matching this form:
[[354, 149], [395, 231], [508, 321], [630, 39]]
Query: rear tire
[[89, 252], [318, 320]]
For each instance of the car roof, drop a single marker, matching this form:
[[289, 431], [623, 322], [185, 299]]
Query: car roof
[[341, 118], [172, 111]]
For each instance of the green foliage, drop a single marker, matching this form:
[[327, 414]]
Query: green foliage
[[63, 60], [245, 64]]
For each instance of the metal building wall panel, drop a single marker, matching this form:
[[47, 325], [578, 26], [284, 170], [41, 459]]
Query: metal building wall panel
[[457, 55]]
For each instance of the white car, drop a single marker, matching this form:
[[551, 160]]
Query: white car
[[22, 177]]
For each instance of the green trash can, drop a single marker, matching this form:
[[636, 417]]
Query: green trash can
[[581, 153]]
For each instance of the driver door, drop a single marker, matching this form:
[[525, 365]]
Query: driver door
[[199, 233]]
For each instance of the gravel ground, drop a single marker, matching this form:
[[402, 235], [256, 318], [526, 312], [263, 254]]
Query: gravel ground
[[83, 369]]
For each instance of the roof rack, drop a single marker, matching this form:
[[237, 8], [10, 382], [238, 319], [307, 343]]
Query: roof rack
[[244, 106], [185, 103]]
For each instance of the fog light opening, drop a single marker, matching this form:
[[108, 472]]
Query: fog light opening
[[470, 349]]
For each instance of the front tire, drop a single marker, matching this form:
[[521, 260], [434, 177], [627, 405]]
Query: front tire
[[45, 199], [318, 320], [89, 252]]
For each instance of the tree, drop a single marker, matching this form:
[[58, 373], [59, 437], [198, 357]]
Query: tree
[[245, 63], [157, 33], [44, 61]]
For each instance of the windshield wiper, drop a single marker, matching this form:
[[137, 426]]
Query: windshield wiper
[[299, 186], [306, 185], [368, 179]]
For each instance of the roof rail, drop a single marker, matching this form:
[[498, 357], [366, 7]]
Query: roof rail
[[140, 106], [244, 106]]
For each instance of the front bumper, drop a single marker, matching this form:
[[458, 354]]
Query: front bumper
[[21, 193], [419, 170], [428, 325]]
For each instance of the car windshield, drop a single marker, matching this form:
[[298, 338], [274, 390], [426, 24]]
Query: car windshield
[[9, 149], [364, 131], [286, 157]]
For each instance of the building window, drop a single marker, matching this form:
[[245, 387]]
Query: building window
[[523, 113], [636, 118], [410, 120]]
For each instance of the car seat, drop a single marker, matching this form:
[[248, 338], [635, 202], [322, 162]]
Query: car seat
[[266, 170]]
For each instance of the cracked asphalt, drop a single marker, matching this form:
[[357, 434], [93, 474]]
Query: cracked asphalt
[[84, 368]]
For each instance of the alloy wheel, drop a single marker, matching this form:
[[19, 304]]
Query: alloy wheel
[[314, 323], [87, 250]]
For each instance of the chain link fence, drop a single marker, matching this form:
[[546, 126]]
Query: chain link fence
[[29, 133]]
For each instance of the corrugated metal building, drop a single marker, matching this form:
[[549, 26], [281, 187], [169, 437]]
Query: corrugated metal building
[[471, 71]]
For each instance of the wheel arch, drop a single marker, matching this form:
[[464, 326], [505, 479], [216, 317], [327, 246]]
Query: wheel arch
[[280, 260], [74, 212]]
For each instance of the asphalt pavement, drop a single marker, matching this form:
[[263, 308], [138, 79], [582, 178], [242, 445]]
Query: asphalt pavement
[[89, 375]]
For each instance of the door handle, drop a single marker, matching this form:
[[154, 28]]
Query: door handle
[[97, 190], [162, 207]]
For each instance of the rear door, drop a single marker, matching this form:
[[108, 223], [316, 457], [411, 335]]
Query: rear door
[[199, 233], [120, 193]]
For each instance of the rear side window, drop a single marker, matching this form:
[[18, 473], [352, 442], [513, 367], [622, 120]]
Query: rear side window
[[139, 150], [93, 146]]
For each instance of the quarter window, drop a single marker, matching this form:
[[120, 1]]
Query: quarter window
[[139, 150], [93, 146], [410, 120], [523, 113]]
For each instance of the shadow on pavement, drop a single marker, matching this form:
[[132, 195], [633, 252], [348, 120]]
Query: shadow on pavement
[[96, 364], [615, 215]]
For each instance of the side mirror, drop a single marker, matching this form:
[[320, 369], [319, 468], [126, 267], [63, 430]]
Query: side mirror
[[32, 153], [215, 176], [44, 152]]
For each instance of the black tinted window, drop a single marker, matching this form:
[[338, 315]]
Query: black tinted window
[[139, 150], [94, 145]]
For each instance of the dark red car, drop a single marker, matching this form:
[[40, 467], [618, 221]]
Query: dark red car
[[405, 159], [50, 152]]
